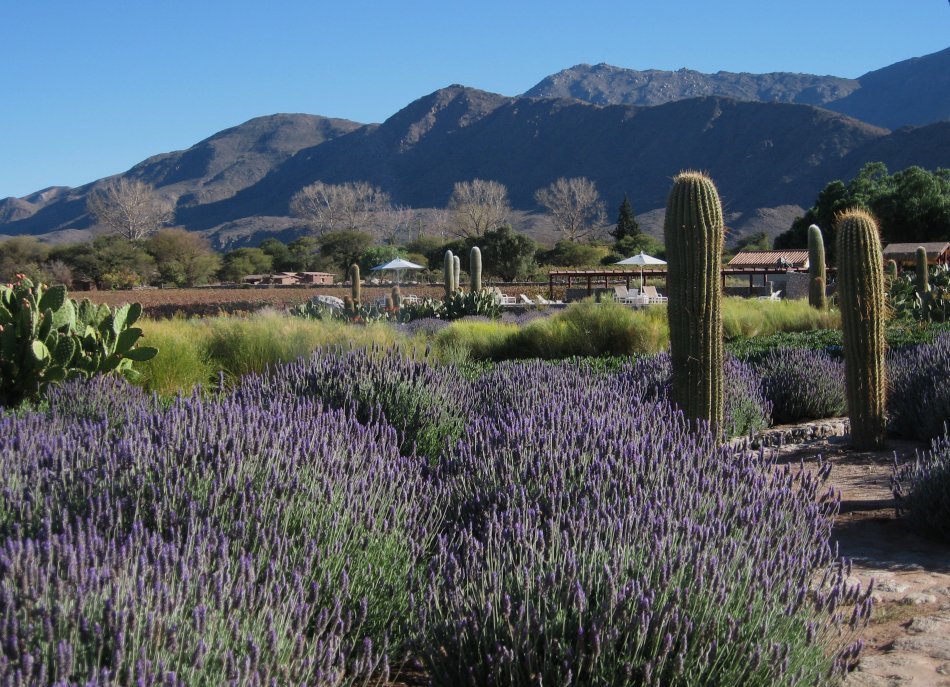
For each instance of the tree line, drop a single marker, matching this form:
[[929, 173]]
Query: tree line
[[346, 223]]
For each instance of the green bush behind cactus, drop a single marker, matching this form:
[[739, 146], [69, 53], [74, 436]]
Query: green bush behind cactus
[[862, 302], [694, 236], [46, 337]]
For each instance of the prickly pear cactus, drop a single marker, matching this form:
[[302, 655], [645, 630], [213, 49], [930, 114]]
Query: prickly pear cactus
[[861, 297], [694, 236], [46, 337], [816, 269]]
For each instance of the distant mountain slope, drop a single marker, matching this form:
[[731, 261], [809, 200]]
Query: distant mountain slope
[[213, 169], [757, 152], [603, 84], [767, 159], [908, 93]]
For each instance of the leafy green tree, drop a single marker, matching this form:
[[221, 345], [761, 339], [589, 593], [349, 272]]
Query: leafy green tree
[[280, 254], [757, 241], [241, 262], [632, 245], [571, 254], [183, 257], [23, 255], [627, 224], [110, 261], [377, 255], [342, 248], [304, 255], [912, 205], [507, 254]]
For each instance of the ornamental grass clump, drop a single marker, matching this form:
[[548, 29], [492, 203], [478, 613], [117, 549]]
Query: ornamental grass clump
[[922, 489], [802, 384], [591, 539], [919, 395], [248, 538]]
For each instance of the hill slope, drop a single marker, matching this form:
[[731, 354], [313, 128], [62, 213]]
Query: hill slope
[[908, 93]]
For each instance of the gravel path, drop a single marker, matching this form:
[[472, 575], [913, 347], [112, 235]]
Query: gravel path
[[908, 640]]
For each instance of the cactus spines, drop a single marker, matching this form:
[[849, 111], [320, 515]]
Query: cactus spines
[[862, 302], [355, 290], [694, 236], [890, 269], [448, 273], [816, 269], [456, 272], [397, 297], [475, 269], [923, 273]]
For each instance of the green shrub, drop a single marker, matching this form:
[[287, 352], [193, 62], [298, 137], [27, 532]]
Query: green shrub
[[923, 490]]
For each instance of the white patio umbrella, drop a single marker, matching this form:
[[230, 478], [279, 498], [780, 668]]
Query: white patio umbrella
[[641, 259], [397, 265]]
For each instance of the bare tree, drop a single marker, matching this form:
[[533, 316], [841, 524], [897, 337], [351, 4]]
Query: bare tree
[[478, 206], [129, 208], [354, 206], [395, 224], [575, 207]]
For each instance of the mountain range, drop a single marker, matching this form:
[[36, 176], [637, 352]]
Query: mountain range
[[771, 142]]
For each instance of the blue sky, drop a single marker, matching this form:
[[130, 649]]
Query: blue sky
[[93, 87]]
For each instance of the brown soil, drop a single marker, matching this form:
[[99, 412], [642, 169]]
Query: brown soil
[[908, 639]]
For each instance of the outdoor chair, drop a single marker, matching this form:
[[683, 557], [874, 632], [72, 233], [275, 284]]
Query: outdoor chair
[[652, 296], [774, 296], [621, 293], [525, 300], [508, 300], [544, 301]]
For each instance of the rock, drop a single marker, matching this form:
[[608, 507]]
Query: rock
[[934, 647], [917, 598], [934, 625]]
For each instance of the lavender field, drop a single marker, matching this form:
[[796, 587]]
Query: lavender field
[[346, 518]]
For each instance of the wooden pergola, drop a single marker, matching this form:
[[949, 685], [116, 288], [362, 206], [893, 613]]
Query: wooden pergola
[[590, 277]]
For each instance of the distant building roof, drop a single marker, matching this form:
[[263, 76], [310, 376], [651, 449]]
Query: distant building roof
[[322, 274], [770, 258], [908, 251]]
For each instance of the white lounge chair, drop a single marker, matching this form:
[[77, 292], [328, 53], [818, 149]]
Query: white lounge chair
[[773, 297], [524, 300], [653, 296]]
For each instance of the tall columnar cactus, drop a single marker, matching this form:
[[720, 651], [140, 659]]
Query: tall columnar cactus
[[816, 268], [456, 272], [475, 269], [890, 269], [355, 287], [861, 296], [923, 272], [448, 273], [397, 297], [694, 236]]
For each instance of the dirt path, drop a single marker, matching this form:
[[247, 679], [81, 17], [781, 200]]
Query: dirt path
[[908, 640]]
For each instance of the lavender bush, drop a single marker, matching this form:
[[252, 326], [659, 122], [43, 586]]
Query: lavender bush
[[918, 401], [592, 540], [923, 490], [426, 405], [802, 384], [252, 538], [747, 409]]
